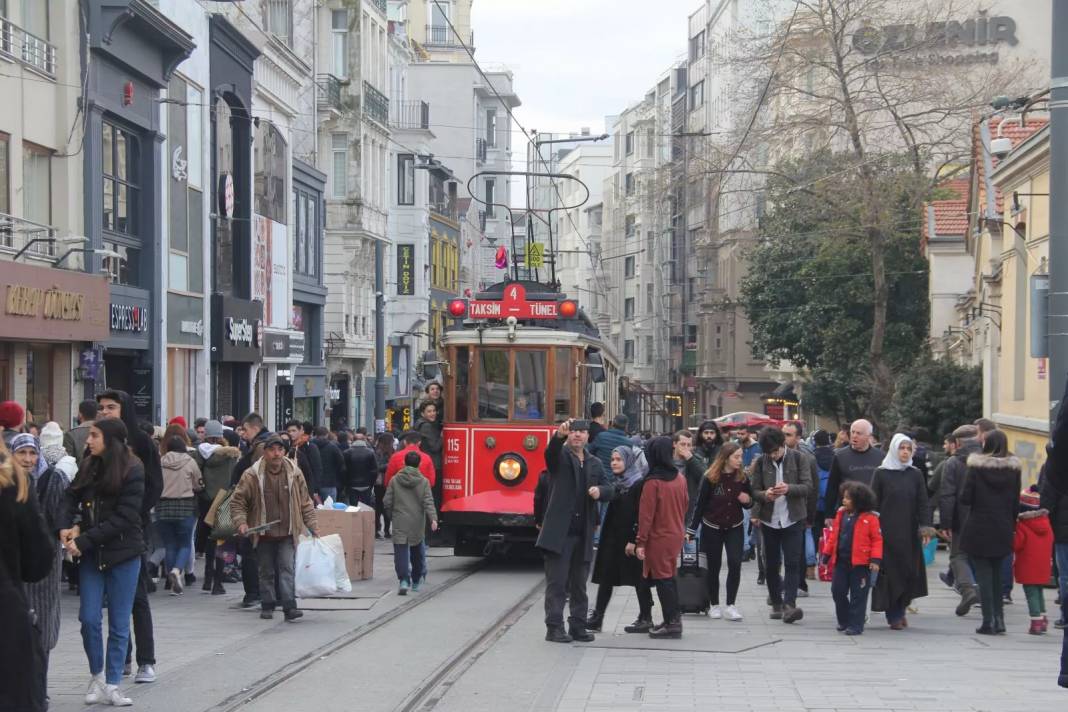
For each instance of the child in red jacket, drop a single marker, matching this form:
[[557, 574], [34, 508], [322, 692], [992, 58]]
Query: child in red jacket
[[855, 551], [1033, 546]]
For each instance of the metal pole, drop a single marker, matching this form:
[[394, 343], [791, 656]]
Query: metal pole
[[380, 338], [1058, 218]]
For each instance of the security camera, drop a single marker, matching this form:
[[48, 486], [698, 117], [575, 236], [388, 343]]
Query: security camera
[[1000, 147], [511, 321]]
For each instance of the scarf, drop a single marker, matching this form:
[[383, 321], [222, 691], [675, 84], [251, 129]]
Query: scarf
[[659, 454], [634, 466], [892, 461], [24, 440]]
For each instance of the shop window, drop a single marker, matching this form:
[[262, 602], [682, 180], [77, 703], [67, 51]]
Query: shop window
[[36, 184], [460, 395], [181, 383], [405, 179], [306, 233], [121, 152], [530, 385], [39, 383], [195, 136], [564, 375], [493, 386], [5, 174]]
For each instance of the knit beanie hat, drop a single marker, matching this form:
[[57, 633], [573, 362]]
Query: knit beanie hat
[[1029, 500], [178, 420], [51, 434], [213, 429], [11, 415]]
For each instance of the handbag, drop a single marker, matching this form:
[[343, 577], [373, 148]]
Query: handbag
[[823, 569], [223, 525]]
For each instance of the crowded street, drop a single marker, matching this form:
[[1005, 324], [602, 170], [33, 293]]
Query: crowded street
[[701, 355]]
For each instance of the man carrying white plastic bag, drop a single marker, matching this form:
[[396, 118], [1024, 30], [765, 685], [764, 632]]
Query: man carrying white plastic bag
[[321, 567], [272, 500]]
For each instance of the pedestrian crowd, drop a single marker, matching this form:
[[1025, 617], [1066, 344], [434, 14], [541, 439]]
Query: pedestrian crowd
[[117, 509], [636, 509]]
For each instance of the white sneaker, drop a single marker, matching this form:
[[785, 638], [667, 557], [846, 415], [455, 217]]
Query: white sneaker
[[114, 697], [715, 612], [95, 692], [732, 613], [175, 578], [145, 673]]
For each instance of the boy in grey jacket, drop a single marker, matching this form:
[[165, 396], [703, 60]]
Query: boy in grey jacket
[[409, 503]]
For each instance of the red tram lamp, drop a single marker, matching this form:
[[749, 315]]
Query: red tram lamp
[[568, 308], [458, 308]]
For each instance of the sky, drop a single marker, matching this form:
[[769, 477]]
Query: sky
[[577, 61]]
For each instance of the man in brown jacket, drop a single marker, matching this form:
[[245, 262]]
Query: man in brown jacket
[[272, 491]]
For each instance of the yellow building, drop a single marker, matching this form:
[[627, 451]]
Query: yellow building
[[998, 228]]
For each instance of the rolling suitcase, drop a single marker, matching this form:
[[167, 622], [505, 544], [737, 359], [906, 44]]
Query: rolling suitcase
[[692, 582]]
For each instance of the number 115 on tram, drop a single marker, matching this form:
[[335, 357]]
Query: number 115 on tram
[[520, 359]]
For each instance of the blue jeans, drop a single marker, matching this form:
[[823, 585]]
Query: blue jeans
[[119, 584], [849, 588], [177, 539], [810, 548], [409, 561], [1061, 552], [1006, 575]]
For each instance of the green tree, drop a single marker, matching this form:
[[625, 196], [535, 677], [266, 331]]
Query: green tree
[[938, 395], [810, 292]]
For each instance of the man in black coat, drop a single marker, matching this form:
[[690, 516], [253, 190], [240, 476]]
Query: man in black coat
[[566, 534], [1057, 481], [361, 471], [306, 456], [119, 404], [952, 513], [855, 463], [255, 438], [332, 482]]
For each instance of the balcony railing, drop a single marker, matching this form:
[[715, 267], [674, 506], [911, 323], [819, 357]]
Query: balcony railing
[[375, 104], [409, 115], [17, 233], [443, 36], [480, 149], [328, 92], [27, 48], [381, 5]]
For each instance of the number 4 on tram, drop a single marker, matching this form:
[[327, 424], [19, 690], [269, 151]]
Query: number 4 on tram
[[516, 365]]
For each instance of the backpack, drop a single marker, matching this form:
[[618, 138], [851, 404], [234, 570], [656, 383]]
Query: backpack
[[824, 476]]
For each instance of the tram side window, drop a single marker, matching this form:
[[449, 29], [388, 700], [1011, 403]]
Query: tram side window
[[530, 385], [493, 385], [565, 375], [460, 395]]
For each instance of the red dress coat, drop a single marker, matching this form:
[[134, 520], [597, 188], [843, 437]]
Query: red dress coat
[[662, 525], [1033, 544]]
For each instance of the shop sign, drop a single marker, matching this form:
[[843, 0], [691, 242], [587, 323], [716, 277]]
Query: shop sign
[[237, 329], [275, 346], [130, 318], [296, 347], [53, 305], [906, 45], [195, 328], [405, 269]]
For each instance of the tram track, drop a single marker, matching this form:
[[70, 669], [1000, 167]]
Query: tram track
[[280, 676], [426, 696]]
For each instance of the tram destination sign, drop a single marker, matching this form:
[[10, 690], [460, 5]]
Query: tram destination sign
[[513, 303]]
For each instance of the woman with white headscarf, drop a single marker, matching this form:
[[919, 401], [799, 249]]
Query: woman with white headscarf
[[905, 521], [50, 485]]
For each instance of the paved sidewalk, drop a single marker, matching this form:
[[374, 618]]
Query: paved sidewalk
[[937, 665], [209, 648]]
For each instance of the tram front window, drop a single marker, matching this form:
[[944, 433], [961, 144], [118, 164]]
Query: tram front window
[[529, 385], [493, 385]]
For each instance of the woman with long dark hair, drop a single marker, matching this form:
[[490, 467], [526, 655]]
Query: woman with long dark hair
[[991, 490], [101, 525], [722, 500], [384, 449]]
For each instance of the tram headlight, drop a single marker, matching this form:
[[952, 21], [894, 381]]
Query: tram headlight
[[510, 469]]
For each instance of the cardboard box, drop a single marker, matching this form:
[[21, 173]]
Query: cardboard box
[[357, 532]]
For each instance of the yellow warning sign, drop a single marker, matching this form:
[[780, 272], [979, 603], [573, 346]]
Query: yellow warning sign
[[535, 255]]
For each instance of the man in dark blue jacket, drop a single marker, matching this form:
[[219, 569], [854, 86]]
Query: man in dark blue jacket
[[608, 441]]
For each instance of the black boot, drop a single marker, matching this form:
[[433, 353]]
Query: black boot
[[595, 621], [556, 634], [642, 625], [579, 634], [987, 628], [999, 624]]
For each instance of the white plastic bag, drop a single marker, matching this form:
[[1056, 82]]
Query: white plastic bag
[[341, 574], [315, 569]]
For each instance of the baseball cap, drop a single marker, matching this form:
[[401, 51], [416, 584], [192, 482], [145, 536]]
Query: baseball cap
[[274, 439]]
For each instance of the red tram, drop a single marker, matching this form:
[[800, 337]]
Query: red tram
[[521, 358]]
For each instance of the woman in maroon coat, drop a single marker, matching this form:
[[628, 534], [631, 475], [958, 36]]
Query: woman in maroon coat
[[661, 530]]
